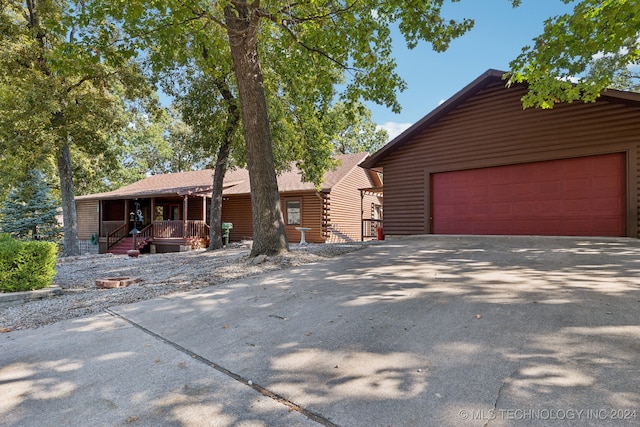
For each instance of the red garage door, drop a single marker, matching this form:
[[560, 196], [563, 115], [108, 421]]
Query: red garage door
[[574, 197]]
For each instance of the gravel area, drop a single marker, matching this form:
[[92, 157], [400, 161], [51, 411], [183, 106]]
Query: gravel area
[[161, 274]]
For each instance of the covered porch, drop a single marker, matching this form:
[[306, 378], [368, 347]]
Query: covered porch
[[163, 224], [372, 218]]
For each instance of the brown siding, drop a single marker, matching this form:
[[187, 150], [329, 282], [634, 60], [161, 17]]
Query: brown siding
[[87, 218], [311, 210], [237, 210], [345, 218], [492, 129], [194, 209]]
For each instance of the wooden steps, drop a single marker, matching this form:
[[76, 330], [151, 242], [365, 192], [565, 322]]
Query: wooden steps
[[122, 246]]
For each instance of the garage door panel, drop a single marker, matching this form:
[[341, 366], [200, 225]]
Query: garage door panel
[[582, 171], [523, 209], [604, 166], [604, 186], [581, 196], [520, 190], [575, 226], [575, 185]]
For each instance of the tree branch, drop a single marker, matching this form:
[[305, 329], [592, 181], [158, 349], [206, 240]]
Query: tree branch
[[289, 18], [79, 83], [316, 50]]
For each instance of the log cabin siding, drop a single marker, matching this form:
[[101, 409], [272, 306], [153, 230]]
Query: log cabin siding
[[492, 129], [87, 218], [237, 210], [162, 198], [345, 213], [195, 209], [311, 216]]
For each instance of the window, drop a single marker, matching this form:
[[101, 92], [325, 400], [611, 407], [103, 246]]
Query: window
[[159, 213], [174, 211], [293, 212]]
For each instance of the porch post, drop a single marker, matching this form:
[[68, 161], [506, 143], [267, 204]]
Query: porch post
[[126, 213], [204, 209], [362, 215], [153, 216], [100, 215], [185, 216]]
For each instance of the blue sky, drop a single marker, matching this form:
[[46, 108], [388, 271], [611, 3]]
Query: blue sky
[[499, 34]]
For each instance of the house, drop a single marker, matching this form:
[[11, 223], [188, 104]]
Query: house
[[481, 164], [171, 211]]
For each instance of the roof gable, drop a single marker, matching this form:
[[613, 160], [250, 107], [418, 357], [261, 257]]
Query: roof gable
[[490, 77]]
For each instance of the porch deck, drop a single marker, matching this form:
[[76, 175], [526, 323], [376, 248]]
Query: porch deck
[[173, 233]]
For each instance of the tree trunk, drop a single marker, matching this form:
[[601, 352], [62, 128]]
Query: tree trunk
[[70, 241], [233, 120], [269, 237], [215, 232]]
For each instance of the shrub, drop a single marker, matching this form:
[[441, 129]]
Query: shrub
[[25, 266]]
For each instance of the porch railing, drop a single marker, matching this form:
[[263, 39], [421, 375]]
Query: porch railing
[[370, 228], [109, 227], [179, 229], [116, 235], [145, 235], [117, 230], [197, 229]]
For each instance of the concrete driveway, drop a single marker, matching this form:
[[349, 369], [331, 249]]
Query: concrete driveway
[[430, 331]]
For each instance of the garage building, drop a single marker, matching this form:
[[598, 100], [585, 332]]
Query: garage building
[[481, 164]]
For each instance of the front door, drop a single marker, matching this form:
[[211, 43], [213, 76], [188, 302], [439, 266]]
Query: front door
[[174, 212]]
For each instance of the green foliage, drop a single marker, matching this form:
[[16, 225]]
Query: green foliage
[[288, 59], [581, 54], [57, 90], [307, 51], [353, 129], [205, 111], [25, 266], [170, 145], [30, 210], [153, 142]]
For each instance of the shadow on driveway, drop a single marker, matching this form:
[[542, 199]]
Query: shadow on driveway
[[430, 331]]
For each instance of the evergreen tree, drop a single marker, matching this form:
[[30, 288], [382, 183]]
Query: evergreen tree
[[30, 210]]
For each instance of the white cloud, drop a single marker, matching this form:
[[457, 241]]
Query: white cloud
[[442, 101], [394, 129], [571, 79]]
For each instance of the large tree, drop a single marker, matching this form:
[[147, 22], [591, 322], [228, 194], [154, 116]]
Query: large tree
[[57, 93], [300, 50], [582, 53], [353, 35], [210, 107]]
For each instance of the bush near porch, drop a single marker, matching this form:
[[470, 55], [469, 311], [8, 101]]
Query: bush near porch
[[26, 265]]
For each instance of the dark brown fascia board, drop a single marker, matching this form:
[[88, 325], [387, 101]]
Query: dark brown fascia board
[[143, 194], [621, 97], [445, 108]]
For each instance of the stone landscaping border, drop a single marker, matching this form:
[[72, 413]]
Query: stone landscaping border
[[9, 298]]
